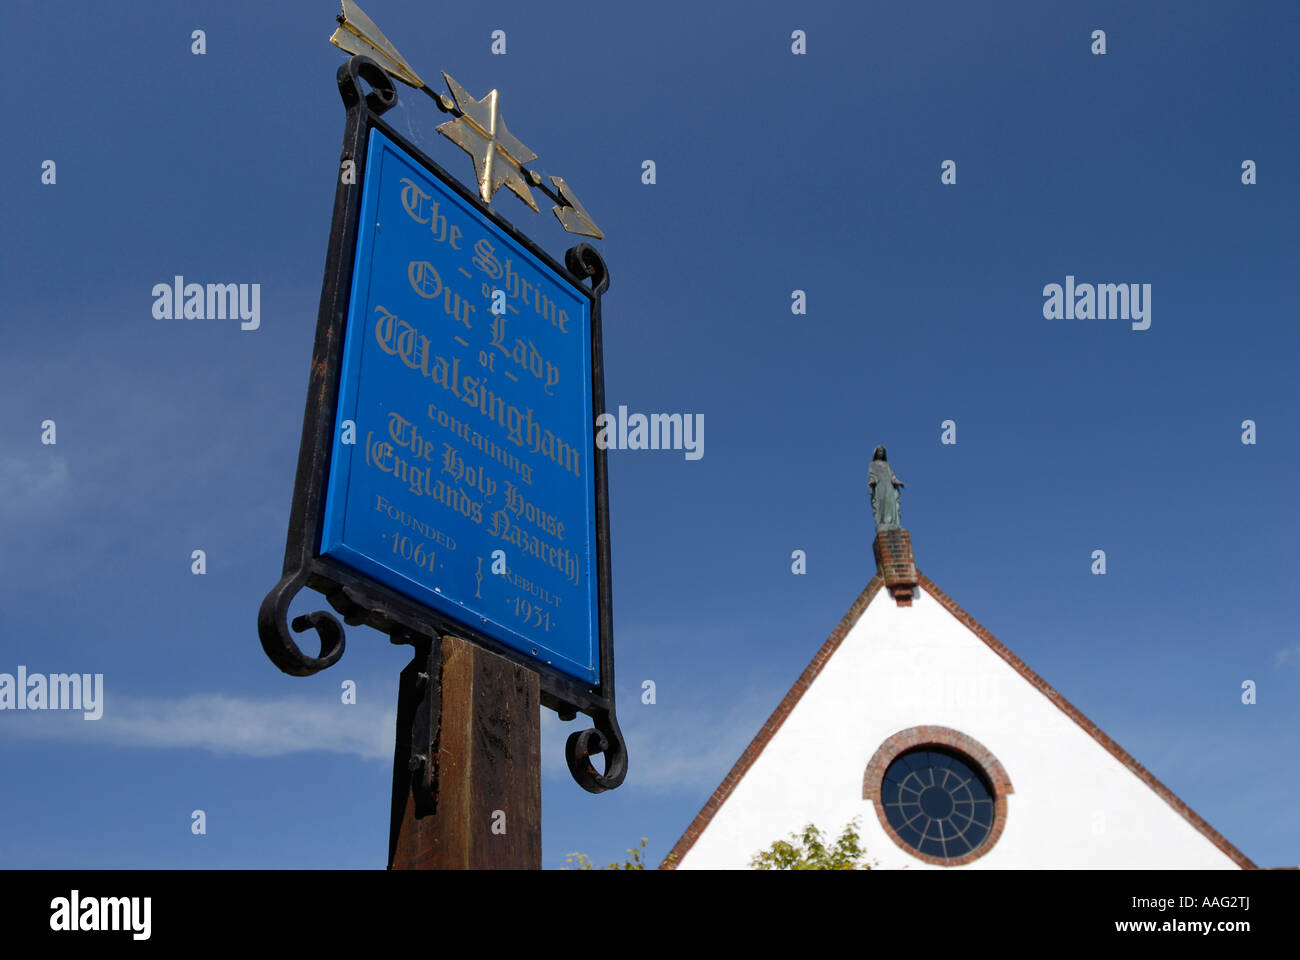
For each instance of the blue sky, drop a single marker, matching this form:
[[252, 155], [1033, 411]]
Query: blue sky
[[775, 172]]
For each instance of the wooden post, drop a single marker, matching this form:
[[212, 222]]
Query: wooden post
[[482, 806]]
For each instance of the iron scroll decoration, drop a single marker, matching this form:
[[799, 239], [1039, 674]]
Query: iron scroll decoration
[[359, 599]]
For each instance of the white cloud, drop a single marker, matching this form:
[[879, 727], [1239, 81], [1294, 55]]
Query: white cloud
[[29, 484], [670, 750], [1290, 655], [221, 724]]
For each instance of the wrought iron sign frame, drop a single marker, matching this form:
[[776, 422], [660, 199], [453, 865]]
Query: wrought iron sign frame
[[360, 599]]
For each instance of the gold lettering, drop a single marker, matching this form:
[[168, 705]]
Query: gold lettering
[[413, 199], [485, 260], [560, 558], [384, 331], [424, 278], [399, 338]]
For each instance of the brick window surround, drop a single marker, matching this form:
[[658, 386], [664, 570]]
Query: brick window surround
[[968, 749]]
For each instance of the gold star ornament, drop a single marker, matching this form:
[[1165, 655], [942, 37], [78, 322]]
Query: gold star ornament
[[497, 153], [499, 157]]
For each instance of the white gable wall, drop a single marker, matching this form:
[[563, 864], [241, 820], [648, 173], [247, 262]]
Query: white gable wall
[[1074, 805]]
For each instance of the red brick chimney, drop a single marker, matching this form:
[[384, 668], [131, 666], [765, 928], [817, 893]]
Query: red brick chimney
[[894, 561]]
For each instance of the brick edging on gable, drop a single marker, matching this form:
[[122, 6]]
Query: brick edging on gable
[[773, 724], [1073, 712]]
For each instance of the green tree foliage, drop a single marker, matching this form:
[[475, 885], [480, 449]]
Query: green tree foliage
[[581, 861], [808, 851], [803, 851]]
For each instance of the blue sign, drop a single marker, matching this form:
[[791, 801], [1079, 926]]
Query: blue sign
[[467, 377]]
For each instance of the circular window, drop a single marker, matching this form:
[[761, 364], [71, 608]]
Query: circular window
[[937, 803], [940, 794]]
